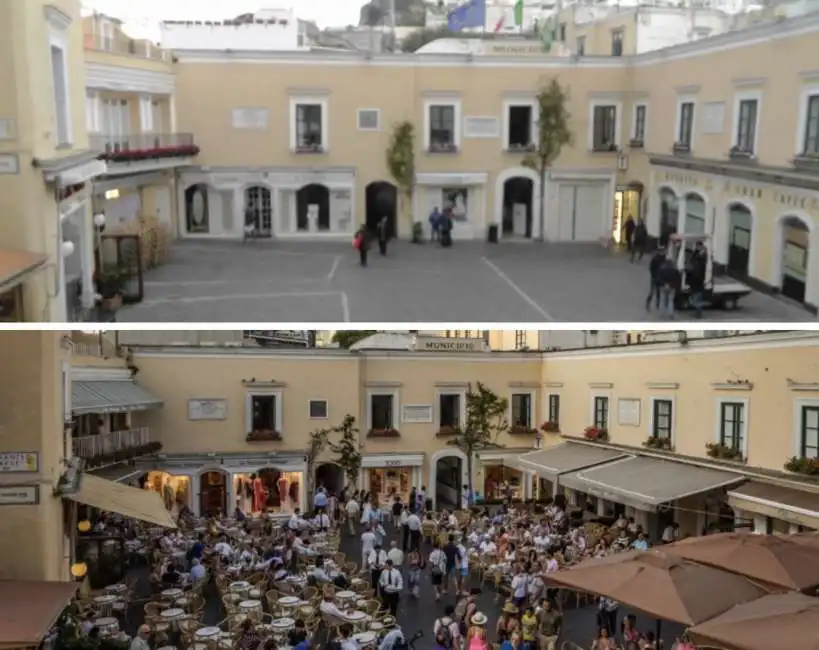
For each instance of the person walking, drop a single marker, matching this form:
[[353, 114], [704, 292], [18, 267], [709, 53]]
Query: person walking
[[695, 277], [361, 242], [414, 528], [669, 279], [435, 224], [383, 235], [437, 562], [376, 561], [628, 235], [403, 520], [367, 545], [390, 584], [415, 564], [654, 266], [352, 509], [639, 239]]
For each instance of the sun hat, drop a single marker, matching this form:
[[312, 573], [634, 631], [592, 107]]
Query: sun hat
[[479, 619]]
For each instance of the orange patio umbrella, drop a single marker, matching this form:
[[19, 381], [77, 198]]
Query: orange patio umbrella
[[661, 585], [787, 561], [788, 620]]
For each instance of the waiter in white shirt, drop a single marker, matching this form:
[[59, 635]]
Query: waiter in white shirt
[[396, 555], [352, 509], [391, 584], [367, 545], [414, 526], [376, 561]]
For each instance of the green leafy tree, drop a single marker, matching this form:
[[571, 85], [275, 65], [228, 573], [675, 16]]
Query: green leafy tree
[[400, 158], [553, 133], [486, 420], [348, 338], [348, 448], [318, 443]]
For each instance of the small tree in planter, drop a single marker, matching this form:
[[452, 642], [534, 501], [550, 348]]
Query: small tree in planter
[[348, 448], [318, 443], [485, 422], [552, 134], [401, 166]]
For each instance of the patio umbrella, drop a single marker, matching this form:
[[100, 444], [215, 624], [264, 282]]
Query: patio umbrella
[[776, 621], [787, 561], [661, 585]]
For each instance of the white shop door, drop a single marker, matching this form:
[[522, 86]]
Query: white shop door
[[581, 212]]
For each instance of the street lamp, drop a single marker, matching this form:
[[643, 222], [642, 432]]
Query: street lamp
[[99, 226]]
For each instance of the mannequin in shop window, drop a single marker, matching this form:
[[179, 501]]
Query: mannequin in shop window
[[283, 485], [259, 495]]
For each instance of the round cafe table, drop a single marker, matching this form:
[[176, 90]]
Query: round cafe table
[[172, 614], [108, 625], [365, 640], [346, 596], [251, 608], [208, 634]]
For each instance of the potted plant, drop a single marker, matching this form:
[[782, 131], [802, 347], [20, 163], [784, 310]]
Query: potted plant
[[550, 427], [723, 452], [263, 435], [111, 286], [383, 433], [655, 442], [806, 466], [596, 434]]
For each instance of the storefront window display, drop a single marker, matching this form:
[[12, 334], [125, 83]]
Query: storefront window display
[[385, 482], [501, 482], [174, 490], [269, 489]]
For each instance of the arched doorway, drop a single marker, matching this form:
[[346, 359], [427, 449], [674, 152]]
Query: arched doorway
[[197, 216], [448, 485], [381, 200], [313, 208], [740, 240], [213, 493], [518, 203], [694, 222], [669, 214], [794, 251], [331, 476], [259, 209]]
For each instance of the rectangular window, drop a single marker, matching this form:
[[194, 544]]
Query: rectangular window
[[809, 432], [263, 412], [746, 128], [382, 412], [449, 410], [308, 127], [640, 123], [686, 123], [522, 410], [581, 46], [59, 75], [441, 127], [601, 412], [731, 425], [369, 119], [604, 136], [317, 409], [617, 42], [554, 409], [520, 127], [520, 339], [812, 126], [663, 413]]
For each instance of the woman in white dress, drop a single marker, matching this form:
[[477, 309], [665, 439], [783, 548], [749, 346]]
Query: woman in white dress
[[366, 511]]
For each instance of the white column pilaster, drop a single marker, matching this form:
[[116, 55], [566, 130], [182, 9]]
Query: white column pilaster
[[194, 498], [230, 489], [682, 214]]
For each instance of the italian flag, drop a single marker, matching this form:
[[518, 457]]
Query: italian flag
[[519, 13]]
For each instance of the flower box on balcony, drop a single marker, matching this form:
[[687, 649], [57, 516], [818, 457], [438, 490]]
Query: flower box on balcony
[[636, 143], [443, 147], [521, 430], [309, 148], [808, 162], [653, 442], [550, 427], [681, 148], [805, 466], [605, 148], [383, 433], [738, 154], [723, 452], [263, 435], [596, 434], [154, 153], [446, 431], [521, 148]]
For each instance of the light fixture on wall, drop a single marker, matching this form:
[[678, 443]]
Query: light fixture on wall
[[99, 220], [67, 248]]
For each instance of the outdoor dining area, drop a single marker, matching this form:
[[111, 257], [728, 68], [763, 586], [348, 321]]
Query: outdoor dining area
[[732, 591]]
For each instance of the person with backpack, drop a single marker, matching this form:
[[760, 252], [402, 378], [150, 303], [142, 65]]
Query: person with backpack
[[437, 562], [449, 629]]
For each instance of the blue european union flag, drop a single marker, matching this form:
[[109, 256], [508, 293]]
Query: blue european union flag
[[471, 14]]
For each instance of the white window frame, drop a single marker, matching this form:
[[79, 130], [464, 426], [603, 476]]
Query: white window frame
[[461, 393], [618, 120], [802, 122], [455, 102], [146, 115], [310, 402], [633, 134], [507, 121], [546, 411], [278, 394], [746, 95], [93, 112], [686, 99], [594, 396], [663, 398], [746, 406], [58, 38], [377, 111], [396, 406], [532, 406], [295, 102], [796, 443]]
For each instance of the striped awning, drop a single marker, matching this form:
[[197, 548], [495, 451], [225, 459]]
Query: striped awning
[[112, 396]]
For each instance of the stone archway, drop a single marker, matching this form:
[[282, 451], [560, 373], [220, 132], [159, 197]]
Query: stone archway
[[197, 209], [446, 460], [213, 492], [381, 200], [313, 208], [739, 240], [517, 178], [331, 476], [793, 257], [669, 213]]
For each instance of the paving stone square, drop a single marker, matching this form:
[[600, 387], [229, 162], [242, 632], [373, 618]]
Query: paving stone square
[[322, 282]]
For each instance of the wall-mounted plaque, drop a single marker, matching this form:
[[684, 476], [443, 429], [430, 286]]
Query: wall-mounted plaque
[[417, 413], [19, 462], [628, 412], [19, 495], [207, 409]]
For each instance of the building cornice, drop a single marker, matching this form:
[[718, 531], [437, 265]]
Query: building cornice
[[123, 78]]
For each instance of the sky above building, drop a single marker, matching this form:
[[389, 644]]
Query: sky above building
[[142, 18]]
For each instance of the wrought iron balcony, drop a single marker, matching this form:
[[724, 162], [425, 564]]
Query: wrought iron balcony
[[128, 443], [143, 146]]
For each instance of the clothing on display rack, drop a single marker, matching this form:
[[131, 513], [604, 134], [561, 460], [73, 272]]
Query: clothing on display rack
[[259, 495]]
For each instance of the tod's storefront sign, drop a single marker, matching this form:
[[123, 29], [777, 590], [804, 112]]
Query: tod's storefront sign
[[450, 345]]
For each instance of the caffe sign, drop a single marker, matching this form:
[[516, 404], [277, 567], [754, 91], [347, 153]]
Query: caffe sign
[[449, 345]]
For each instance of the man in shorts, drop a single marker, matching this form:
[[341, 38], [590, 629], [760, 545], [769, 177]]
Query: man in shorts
[[453, 558]]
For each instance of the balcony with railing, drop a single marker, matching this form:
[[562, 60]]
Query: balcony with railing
[[144, 147], [120, 44], [114, 447]]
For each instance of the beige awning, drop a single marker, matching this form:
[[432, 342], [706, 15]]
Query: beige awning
[[112, 396], [124, 500], [16, 265], [800, 507], [567, 457], [29, 608]]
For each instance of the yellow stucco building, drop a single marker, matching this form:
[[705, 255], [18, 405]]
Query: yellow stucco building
[[713, 432]]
